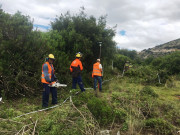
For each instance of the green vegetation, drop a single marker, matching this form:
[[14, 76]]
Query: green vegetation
[[130, 108], [143, 101]]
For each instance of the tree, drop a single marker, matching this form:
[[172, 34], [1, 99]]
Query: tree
[[21, 53], [81, 33]]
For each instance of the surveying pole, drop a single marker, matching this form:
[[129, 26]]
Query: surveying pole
[[100, 49]]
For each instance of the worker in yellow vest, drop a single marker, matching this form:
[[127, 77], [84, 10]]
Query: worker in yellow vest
[[97, 74], [126, 66], [130, 65], [48, 78]]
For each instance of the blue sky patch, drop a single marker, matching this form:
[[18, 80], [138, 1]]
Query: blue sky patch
[[122, 32], [41, 26]]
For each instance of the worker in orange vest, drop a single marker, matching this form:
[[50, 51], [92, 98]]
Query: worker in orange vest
[[48, 78], [76, 68], [97, 74]]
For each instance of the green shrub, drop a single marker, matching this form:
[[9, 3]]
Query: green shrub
[[101, 110], [82, 97], [143, 74], [148, 91], [159, 126], [120, 115], [170, 83], [170, 111], [148, 99], [124, 127], [8, 113]]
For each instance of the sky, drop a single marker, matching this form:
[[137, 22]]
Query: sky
[[141, 24]]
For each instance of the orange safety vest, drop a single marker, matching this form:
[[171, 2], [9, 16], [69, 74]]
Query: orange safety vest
[[43, 80], [96, 70]]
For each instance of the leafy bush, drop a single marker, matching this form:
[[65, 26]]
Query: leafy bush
[[120, 115], [101, 110], [170, 63], [146, 75], [170, 83], [124, 127], [159, 126], [143, 74], [148, 91], [120, 60], [8, 113], [148, 99], [82, 98], [22, 50]]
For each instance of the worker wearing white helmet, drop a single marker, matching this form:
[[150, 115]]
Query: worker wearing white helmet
[[97, 74]]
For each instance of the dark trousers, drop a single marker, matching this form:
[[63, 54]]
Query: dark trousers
[[78, 80], [99, 79], [45, 96]]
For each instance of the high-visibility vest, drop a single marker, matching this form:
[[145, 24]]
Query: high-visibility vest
[[96, 70], [126, 64], [43, 80]]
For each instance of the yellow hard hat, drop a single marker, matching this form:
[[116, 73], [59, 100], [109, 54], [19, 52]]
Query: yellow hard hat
[[51, 56], [78, 55]]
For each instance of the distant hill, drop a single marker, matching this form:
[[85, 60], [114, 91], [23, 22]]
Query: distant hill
[[161, 50]]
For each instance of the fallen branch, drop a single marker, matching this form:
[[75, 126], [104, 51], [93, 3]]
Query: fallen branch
[[34, 127]]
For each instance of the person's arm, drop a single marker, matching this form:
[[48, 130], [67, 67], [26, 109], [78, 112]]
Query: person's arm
[[71, 68], [92, 73], [45, 70], [55, 78], [100, 67]]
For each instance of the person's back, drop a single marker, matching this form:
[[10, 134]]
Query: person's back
[[76, 68], [97, 75]]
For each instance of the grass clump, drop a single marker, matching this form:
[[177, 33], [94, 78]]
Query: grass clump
[[101, 110], [148, 91], [159, 126]]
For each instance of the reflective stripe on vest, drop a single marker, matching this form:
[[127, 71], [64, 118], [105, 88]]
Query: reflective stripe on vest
[[96, 70], [43, 80]]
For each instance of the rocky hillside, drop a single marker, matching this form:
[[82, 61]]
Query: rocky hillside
[[161, 50]]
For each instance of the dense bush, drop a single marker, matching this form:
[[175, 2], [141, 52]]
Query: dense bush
[[147, 75], [101, 110], [120, 60], [143, 74], [170, 63], [81, 33], [132, 54], [159, 126], [120, 116], [23, 50], [148, 99], [148, 91]]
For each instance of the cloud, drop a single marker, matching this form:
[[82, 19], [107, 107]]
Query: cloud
[[140, 24]]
